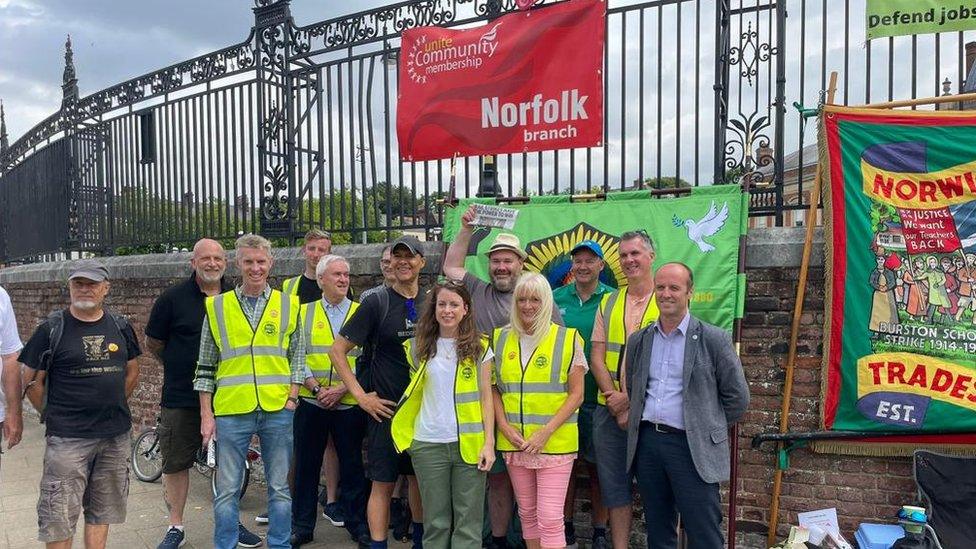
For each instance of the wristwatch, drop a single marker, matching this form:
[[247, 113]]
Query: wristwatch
[[293, 399], [316, 389]]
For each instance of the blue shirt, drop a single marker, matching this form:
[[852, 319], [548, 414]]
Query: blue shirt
[[663, 401], [336, 315]]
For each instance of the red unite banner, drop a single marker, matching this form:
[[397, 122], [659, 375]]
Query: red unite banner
[[527, 81]]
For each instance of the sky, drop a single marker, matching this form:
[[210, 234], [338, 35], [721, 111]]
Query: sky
[[117, 40]]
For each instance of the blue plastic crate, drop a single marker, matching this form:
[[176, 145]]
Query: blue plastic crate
[[878, 536]]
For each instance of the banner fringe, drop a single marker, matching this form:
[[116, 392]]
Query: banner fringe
[[823, 168], [883, 449]]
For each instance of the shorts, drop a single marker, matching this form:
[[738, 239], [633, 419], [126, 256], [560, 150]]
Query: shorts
[[179, 438], [383, 462], [585, 423], [82, 473], [610, 447]]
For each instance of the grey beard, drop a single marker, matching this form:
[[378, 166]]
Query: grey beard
[[209, 279], [84, 305]]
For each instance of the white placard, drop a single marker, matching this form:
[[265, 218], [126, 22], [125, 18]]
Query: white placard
[[825, 519], [486, 215]]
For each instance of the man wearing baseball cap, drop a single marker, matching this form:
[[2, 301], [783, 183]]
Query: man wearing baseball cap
[[383, 321], [492, 305], [81, 364], [578, 303]]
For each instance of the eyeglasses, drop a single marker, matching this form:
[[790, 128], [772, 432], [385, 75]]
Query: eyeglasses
[[914, 516], [411, 310]]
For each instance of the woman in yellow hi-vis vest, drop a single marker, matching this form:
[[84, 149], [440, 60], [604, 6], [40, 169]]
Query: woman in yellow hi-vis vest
[[539, 368], [445, 418]]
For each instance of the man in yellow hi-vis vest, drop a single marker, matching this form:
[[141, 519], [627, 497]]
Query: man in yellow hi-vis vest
[[250, 367], [326, 411], [318, 244], [620, 314]]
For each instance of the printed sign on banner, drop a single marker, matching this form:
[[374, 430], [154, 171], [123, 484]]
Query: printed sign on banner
[[527, 81]]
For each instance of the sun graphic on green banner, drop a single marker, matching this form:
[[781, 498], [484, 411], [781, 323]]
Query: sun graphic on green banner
[[550, 255]]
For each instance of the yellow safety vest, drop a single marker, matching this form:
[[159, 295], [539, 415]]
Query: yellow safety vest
[[612, 310], [290, 286], [253, 372], [467, 405], [531, 397], [318, 343]]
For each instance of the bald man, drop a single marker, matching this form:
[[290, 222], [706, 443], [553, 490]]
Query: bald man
[[173, 336]]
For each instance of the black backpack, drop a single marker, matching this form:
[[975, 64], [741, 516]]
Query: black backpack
[[55, 322]]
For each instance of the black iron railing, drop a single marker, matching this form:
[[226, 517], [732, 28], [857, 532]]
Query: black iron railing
[[294, 127]]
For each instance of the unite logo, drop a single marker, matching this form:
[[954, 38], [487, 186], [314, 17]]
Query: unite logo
[[429, 57]]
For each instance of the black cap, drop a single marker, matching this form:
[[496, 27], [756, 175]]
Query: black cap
[[411, 243]]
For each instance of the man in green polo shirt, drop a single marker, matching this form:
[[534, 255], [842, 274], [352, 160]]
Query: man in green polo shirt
[[578, 303]]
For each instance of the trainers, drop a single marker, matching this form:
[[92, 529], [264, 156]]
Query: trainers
[[173, 539], [261, 519], [247, 538], [333, 512], [600, 542]]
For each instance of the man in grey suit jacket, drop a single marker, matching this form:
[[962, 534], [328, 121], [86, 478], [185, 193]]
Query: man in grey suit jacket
[[686, 388]]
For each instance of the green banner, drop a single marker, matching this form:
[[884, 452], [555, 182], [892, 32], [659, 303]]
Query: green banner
[[902, 17], [900, 337], [702, 230]]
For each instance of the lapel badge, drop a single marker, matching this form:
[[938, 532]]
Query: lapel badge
[[541, 362], [511, 355]]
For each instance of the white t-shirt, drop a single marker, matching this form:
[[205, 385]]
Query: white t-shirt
[[9, 339], [437, 421]]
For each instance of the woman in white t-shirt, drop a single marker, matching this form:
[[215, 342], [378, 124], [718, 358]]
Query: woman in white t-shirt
[[445, 418]]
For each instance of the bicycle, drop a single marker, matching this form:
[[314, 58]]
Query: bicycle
[[147, 460]]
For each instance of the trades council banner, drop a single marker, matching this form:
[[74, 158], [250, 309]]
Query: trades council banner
[[903, 17], [527, 81], [900, 308]]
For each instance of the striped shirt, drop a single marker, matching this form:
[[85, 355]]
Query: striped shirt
[[209, 355]]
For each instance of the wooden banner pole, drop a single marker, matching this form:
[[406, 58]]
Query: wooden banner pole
[[917, 102], [801, 289]]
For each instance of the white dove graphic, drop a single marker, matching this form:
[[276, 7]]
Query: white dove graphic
[[707, 226]]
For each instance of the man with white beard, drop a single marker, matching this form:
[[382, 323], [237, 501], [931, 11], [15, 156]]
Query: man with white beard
[[87, 357], [492, 306]]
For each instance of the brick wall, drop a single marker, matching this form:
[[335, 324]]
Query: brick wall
[[862, 489]]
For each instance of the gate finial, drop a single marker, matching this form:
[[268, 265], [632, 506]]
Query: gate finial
[[69, 84], [4, 144]]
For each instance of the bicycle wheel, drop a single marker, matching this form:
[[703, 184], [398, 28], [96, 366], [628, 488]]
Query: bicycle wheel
[[247, 480], [147, 461]]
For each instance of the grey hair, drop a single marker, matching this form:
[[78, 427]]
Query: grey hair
[[326, 261], [642, 235], [253, 241]]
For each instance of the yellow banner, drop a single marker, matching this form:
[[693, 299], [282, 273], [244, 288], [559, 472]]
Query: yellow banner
[[920, 191], [917, 375]]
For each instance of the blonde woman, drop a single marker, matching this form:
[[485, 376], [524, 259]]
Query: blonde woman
[[539, 368], [445, 418]]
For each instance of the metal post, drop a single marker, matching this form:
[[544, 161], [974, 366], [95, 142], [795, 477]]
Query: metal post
[[488, 187], [780, 106], [721, 88]]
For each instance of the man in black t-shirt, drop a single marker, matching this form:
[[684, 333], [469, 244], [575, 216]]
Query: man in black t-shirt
[[89, 375], [318, 244], [173, 336], [385, 320]]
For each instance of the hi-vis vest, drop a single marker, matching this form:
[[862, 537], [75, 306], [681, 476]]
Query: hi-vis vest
[[318, 343], [290, 285], [531, 397], [467, 405], [253, 371], [612, 310]]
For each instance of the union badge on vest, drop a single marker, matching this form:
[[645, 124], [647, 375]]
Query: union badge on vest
[[270, 328], [541, 362], [467, 372]]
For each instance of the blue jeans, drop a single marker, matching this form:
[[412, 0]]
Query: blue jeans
[[233, 437]]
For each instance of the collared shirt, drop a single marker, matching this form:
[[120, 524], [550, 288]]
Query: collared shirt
[[663, 401], [209, 355], [175, 320], [337, 315], [580, 314]]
